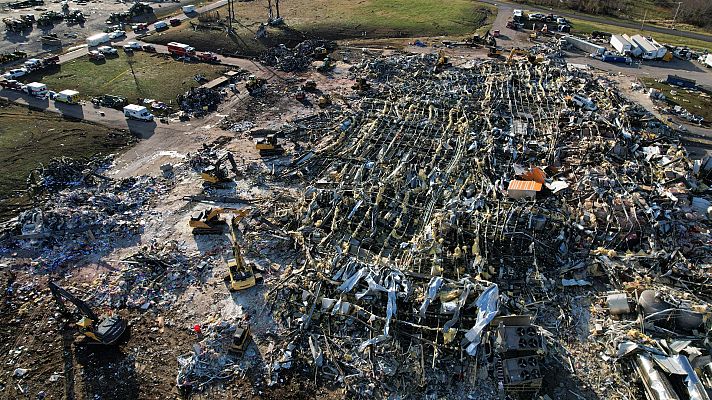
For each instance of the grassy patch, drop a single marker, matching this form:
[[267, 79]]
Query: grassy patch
[[30, 138], [580, 26], [691, 100], [338, 19], [141, 75]]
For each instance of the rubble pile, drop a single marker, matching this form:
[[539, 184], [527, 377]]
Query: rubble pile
[[91, 216], [63, 172], [151, 277], [298, 58], [451, 199], [200, 101]]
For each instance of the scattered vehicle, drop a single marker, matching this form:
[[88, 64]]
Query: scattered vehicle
[[300, 95], [141, 113], [207, 56], [495, 33], [36, 89], [537, 17], [189, 9], [11, 84], [148, 48], [15, 73], [96, 56], [160, 26], [131, 46], [107, 50], [117, 34], [139, 27], [106, 331], [174, 21], [241, 339], [309, 86], [180, 50], [32, 64], [67, 96], [110, 101], [51, 40]]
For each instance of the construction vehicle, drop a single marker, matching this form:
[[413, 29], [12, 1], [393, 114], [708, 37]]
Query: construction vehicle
[[443, 59], [217, 174], [268, 146], [486, 40], [361, 85], [309, 86], [511, 24], [255, 85], [240, 275], [208, 222], [320, 53], [534, 35], [516, 51], [241, 339], [494, 51], [107, 331], [51, 39]]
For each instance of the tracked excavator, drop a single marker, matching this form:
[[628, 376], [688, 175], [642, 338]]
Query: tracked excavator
[[208, 221], [106, 331], [240, 274], [217, 173]]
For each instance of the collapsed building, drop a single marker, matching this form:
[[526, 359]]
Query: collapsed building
[[419, 253]]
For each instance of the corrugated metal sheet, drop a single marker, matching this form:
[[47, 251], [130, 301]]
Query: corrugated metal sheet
[[524, 185]]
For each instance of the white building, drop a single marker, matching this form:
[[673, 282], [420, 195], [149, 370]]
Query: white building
[[621, 44]]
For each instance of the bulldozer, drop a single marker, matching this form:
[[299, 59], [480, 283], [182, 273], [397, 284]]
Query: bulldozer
[[325, 66], [208, 222], [241, 339], [268, 146], [240, 275], [217, 174], [106, 331], [255, 85]]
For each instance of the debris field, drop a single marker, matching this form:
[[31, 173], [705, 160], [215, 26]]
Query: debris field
[[495, 230]]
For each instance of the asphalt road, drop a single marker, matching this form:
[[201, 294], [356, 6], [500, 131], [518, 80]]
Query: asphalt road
[[86, 111], [508, 6]]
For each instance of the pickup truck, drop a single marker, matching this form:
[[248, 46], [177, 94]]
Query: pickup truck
[[207, 56]]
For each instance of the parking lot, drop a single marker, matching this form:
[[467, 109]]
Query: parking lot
[[96, 13]]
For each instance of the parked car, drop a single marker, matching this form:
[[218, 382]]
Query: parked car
[[160, 26], [148, 48], [174, 21], [117, 34], [139, 27], [134, 45], [15, 73], [107, 50], [96, 56]]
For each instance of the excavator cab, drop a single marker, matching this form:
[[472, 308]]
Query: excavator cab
[[107, 331], [240, 275], [217, 174]]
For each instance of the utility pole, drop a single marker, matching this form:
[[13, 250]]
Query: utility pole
[[679, 3], [643, 23], [230, 14], [269, 6], [276, 4]]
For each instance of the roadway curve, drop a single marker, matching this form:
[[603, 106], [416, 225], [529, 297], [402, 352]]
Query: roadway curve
[[505, 6]]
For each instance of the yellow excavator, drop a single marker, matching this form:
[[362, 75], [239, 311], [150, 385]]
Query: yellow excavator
[[240, 274], [106, 331], [217, 174], [269, 146], [208, 221], [516, 51]]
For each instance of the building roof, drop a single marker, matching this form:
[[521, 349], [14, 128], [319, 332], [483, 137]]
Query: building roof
[[524, 185], [621, 39]]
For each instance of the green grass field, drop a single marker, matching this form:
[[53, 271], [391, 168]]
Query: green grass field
[[580, 26], [692, 101], [141, 75], [338, 19], [29, 138]]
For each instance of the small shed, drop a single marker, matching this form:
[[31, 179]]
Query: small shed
[[680, 81]]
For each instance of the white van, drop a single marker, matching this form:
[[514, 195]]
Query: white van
[[189, 9], [133, 111]]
